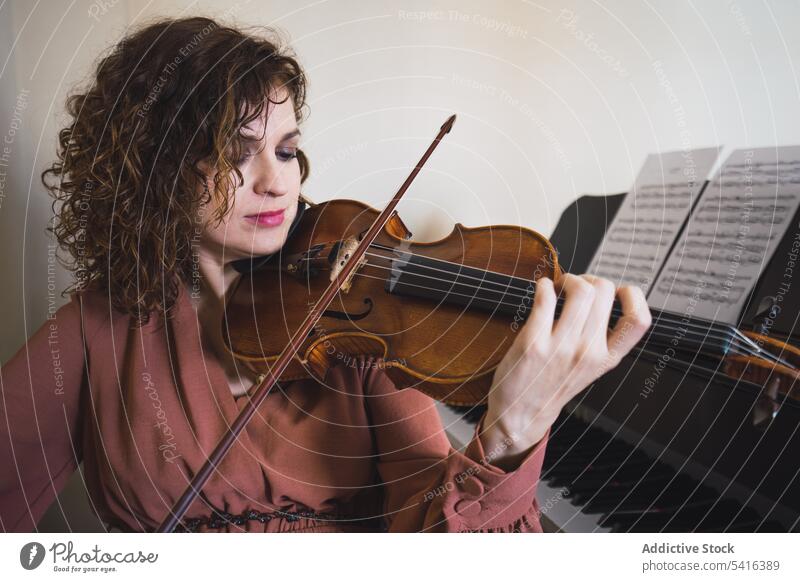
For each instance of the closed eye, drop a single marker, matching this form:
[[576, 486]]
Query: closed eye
[[286, 154]]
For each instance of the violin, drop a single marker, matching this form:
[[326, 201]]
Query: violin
[[438, 316]]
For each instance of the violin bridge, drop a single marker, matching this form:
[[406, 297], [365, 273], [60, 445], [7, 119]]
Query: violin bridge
[[345, 251]]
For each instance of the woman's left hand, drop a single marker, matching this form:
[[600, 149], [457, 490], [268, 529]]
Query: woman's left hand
[[552, 361]]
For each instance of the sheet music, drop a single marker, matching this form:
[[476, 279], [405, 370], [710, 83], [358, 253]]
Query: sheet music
[[649, 219], [731, 235]]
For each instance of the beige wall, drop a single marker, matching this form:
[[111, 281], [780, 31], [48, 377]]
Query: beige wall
[[555, 99]]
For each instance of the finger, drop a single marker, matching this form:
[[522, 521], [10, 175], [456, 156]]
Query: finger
[[633, 323], [579, 296], [540, 322], [596, 327]]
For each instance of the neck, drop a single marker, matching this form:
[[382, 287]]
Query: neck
[[475, 288]]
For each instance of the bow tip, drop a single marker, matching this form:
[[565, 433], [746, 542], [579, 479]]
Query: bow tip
[[448, 125]]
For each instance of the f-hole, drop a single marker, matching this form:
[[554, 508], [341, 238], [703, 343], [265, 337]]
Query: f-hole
[[350, 316]]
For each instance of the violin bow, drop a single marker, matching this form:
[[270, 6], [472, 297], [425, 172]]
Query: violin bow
[[227, 441]]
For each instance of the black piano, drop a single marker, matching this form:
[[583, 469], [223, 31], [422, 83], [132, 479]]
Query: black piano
[[653, 447]]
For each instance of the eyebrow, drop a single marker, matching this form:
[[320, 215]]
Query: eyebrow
[[290, 135]]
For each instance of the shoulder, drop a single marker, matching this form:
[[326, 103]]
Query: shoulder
[[92, 309]]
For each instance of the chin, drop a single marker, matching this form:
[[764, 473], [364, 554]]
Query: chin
[[261, 248]]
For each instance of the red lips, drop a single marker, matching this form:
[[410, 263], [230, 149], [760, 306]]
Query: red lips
[[272, 218]]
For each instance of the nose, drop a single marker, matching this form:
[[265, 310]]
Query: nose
[[270, 177]]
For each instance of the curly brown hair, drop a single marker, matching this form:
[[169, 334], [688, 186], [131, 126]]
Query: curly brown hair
[[169, 96]]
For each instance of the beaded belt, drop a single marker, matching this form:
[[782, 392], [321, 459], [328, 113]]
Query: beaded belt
[[220, 519]]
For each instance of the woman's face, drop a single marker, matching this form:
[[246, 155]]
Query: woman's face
[[262, 209]]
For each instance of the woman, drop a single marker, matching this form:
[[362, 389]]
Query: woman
[[181, 159]]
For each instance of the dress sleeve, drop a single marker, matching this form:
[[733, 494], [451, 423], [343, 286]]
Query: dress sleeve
[[41, 387], [429, 486]]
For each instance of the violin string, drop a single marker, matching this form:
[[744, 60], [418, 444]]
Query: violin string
[[708, 373], [724, 326], [733, 349], [662, 317], [459, 265], [774, 357], [662, 314], [731, 334], [705, 334], [730, 337], [654, 332], [462, 272], [416, 255]]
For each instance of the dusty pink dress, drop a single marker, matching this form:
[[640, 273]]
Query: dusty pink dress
[[143, 407]]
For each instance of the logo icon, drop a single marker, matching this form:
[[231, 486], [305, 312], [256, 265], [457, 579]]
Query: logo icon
[[31, 555]]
